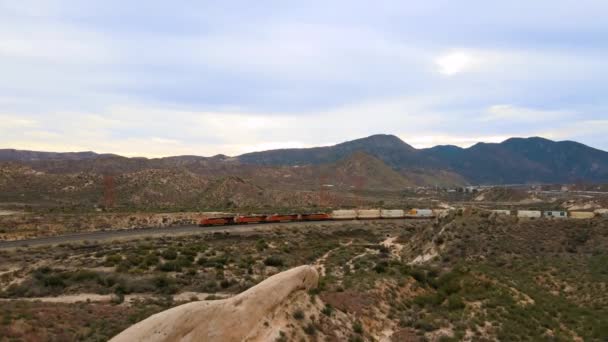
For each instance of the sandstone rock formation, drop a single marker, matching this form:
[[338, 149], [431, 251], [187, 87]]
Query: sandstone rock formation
[[239, 318]]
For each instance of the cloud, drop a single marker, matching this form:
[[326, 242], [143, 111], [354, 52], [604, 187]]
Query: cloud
[[512, 114], [207, 78], [14, 122]]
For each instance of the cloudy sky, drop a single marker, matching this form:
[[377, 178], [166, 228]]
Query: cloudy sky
[[157, 78]]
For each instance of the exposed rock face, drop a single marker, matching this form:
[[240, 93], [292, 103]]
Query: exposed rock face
[[239, 318]]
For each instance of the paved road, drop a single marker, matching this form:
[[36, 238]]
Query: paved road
[[143, 232]]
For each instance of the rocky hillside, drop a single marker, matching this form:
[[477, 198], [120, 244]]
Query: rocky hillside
[[516, 160]]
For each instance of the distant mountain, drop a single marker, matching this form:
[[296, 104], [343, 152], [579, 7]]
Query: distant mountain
[[388, 148], [516, 160], [524, 160], [22, 155]]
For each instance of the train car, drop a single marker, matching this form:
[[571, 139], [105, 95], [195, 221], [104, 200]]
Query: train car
[[582, 214], [419, 213], [441, 212], [316, 217], [344, 214], [282, 218], [392, 213], [529, 213], [555, 214], [368, 214], [216, 221], [249, 219], [601, 212], [501, 212]]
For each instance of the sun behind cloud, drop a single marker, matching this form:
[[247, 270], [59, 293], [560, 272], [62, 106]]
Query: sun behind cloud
[[455, 62]]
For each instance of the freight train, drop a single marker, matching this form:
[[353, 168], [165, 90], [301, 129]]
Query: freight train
[[373, 214], [360, 214]]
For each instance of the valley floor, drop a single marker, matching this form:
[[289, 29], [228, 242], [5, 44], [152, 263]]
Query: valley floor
[[466, 277]]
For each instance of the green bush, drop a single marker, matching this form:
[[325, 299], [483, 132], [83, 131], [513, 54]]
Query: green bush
[[357, 327], [310, 329], [273, 261], [327, 310], [455, 302], [298, 314], [169, 254], [169, 266]]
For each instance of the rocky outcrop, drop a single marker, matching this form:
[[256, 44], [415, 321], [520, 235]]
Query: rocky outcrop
[[239, 318]]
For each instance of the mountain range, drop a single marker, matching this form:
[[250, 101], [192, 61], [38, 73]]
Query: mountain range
[[516, 160]]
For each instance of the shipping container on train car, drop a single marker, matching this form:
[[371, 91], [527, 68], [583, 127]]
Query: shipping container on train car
[[601, 212], [216, 221], [419, 213], [582, 214], [249, 219], [529, 213], [282, 218], [316, 217], [555, 214], [392, 213], [501, 211], [368, 214], [441, 212], [344, 214]]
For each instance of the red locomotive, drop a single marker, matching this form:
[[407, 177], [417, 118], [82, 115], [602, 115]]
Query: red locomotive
[[282, 218], [216, 221]]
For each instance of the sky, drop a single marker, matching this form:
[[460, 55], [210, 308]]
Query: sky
[[159, 78]]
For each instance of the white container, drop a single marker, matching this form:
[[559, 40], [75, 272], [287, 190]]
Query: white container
[[555, 214], [344, 214], [601, 212], [501, 212], [420, 213], [368, 213], [529, 213], [582, 214], [441, 212], [392, 213]]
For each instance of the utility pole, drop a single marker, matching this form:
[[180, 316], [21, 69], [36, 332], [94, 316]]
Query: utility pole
[[108, 191]]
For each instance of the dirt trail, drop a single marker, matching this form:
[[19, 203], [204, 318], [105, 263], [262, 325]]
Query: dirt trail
[[320, 263]]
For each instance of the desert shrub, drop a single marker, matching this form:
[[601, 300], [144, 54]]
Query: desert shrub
[[210, 286], [310, 329], [169, 266], [183, 261], [298, 314], [169, 254], [150, 260], [357, 327], [425, 325], [225, 283], [428, 300], [455, 302], [261, 245], [275, 261], [163, 284], [112, 260], [327, 310], [84, 275], [381, 267]]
